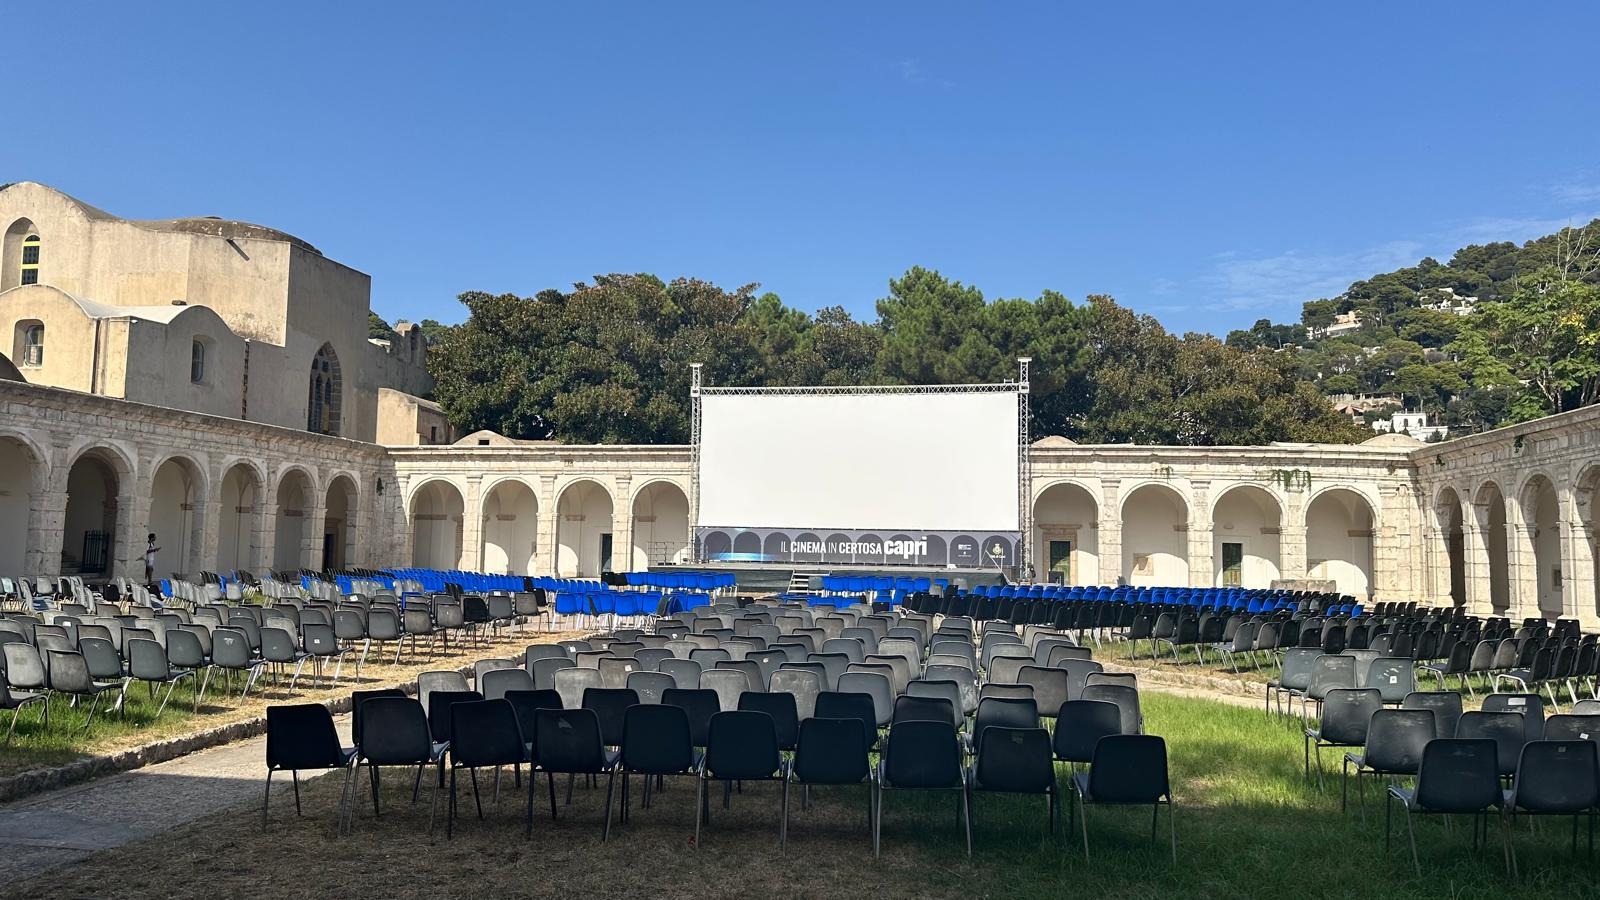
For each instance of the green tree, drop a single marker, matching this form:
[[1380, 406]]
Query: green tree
[[1542, 344]]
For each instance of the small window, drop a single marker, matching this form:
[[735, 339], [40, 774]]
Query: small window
[[30, 259], [32, 351], [433, 434], [197, 362]]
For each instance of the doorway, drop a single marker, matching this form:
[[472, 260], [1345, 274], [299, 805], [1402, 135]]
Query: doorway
[[1232, 564], [1060, 571], [605, 551]]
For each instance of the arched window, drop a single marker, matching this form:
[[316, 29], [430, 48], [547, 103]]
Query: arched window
[[30, 343], [322, 406], [197, 362], [30, 259]]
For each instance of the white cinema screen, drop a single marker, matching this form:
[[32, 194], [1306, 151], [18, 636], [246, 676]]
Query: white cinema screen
[[833, 467]]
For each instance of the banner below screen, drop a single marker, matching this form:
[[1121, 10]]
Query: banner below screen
[[925, 549]]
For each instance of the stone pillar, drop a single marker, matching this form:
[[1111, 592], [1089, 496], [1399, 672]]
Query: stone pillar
[[1435, 561], [1292, 548], [1200, 540], [47, 519], [133, 524], [545, 553], [472, 525], [208, 526], [1577, 565], [1475, 567], [266, 522], [622, 525], [314, 523], [1522, 575], [1110, 538]]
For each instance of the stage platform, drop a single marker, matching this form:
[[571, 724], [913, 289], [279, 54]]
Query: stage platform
[[768, 578]]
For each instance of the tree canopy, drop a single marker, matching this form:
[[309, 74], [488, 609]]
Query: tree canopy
[[608, 361]]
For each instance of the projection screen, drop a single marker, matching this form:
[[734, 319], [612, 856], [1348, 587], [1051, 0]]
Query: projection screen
[[876, 476]]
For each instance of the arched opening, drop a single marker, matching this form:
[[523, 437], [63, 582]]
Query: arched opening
[[1339, 527], [1541, 517], [197, 361], [583, 530], [339, 524], [236, 533], [27, 345], [295, 496], [21, 255], [19, 473], [176, 497], [1246, 524], [1452, 535], [436, 511], [510, 529], [323, 405], [1066, 535], [89, 532], [1490, 508], [660, 526], [1155, 537]]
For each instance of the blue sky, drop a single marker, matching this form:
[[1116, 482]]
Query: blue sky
[[1208, 163]]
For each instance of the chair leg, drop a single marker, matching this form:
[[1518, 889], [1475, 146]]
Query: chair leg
[[783, 823], [699, 808], [1083, 822], [433, 805], [1411, 836], [966, 815], [266, 800], [1172, 825], [295, 775]]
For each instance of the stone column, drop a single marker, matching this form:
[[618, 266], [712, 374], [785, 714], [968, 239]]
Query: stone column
[[472, 525], [1435, 560], [133, 524], [266, 521], [1522, 573], [1292, 548], [622, 525], [1200, 540], [545, 553], [1577, 565], [1475, 567], [314, 523], [208, 522], [1110, 537]]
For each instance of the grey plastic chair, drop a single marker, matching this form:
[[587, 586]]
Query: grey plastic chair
[[545, 669], [69, 674], [650, 686], [147, 662], [804, 686], [1126, 699], [728, 685], [494, 683], [571, 683], [685, 672]]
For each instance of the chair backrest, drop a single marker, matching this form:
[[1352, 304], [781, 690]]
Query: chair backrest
[[656, 739], [545, 669], [1446, 706], [1394, 676], [1395, 740], [568, 740], [803, 686], [614, 671], [102, 659], [1506, 729], [147, 661], [1531, 706], [68, 672], [831, 751], [495, 683], [1458, 776], [850, 705], [486, 733], [922, 753], [1014, 760], [357, 698], [700, 705], [1080, 724], [685, 672], [1050, 687], [527, 703], [728, 685], [394, 731], [1556, 776], [743, 744], [1126, 699], [572, 683], [994, 711], [915, 709], [1298, 666], [1129, 768], [781, 707], [439, 680], [1329, 672], [752, 673], [1347, 714], [1572, 727], [230, 648], [877, 687], [302, 736], [610, 705]]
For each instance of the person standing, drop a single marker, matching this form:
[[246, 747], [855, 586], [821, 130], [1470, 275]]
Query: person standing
[[150, 551]]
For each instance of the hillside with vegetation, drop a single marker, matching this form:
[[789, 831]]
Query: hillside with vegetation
[[1500, 333]]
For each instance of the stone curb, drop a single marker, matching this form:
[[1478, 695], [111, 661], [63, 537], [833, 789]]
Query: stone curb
[[37, 781]]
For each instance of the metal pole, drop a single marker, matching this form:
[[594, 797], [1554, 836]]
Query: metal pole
[[694, 457], [1024, 472]]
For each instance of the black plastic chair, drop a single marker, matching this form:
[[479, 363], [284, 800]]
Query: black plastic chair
[[298, 738], [1395, 741], [1446, 706], [700, 704], [655, 743], [1127, 770], [924, 755], [850, 705], [1508, 731], [568, 742], [394, 732], [484, 734], [1346, 713], [1127, 700], [1456, 776], [832, 752], [611, 705], [785, 715], [147, 662], [1017, 761], [1555, 778], [993, 711], [743, 746], [1080, 724]]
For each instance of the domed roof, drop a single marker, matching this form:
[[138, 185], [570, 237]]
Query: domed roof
[[1054, 441], [228, 229], [1394, 441]]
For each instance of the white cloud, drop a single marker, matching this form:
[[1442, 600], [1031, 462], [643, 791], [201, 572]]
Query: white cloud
[[911, 72], [1282, 281]]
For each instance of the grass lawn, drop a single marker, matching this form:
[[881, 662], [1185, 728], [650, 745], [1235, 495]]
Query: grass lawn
[[65, 740], [1248, 826]]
